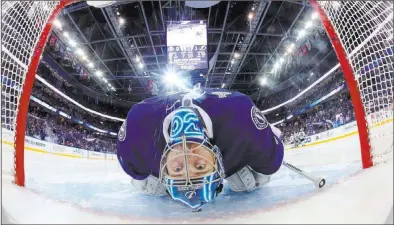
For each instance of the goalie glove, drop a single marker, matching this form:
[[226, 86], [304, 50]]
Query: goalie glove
[[150, 186]]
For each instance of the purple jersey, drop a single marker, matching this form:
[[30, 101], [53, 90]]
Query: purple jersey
[[240, 130]]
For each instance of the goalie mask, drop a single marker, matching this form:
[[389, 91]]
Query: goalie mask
[[191, 168]]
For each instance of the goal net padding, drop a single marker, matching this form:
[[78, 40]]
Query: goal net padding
[[361, 33], [25, 27]]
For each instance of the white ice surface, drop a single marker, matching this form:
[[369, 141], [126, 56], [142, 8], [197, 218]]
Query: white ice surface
[[68, 190]]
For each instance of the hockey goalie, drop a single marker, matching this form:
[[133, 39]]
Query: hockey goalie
[[185, 144]]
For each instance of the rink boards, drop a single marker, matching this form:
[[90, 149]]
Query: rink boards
[[37, 145], [344, 131]]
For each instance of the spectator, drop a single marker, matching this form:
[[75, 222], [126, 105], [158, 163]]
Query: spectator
[[332, 113], [45, 126]]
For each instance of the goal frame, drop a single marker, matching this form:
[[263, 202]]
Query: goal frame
[[20, 127], [350, 79]]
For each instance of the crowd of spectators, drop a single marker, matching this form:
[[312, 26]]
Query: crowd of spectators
[[49, 126], [315, 94], [53, 99], [43, 125], [318, 91], [332, 113], [62, 85]]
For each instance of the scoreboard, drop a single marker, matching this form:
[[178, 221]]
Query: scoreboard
[[187, 45]]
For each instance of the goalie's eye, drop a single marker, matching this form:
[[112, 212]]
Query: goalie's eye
[[177, 167], [200, 164], [200, 167]]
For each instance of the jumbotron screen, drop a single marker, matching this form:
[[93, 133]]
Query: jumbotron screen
[[187, 45]]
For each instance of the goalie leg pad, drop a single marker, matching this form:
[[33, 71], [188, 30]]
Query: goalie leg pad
[[247, 180], [243, 180], [260, 178]]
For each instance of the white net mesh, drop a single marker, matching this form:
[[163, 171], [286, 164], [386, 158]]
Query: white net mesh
[[22, 24], [365, 30]]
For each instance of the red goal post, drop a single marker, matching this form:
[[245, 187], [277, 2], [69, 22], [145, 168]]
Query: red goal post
[[25, 27], [361, 33]]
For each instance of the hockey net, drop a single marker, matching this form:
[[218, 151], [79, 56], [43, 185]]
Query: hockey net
[[361, 33], [365, 35], [25, 26]]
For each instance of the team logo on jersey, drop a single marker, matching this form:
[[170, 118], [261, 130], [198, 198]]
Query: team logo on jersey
[[221, 94], [258, 118], [122, 131]]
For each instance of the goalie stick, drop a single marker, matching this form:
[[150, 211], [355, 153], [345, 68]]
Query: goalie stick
[[318, 181]]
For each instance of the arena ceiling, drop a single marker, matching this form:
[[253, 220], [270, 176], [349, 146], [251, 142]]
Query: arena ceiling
[[127, 43]]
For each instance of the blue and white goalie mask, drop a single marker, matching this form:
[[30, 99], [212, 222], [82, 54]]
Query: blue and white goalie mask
[[191, 167]]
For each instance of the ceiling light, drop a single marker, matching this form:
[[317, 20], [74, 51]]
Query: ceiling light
[[118, 13], [121, 21], [281, 60], [250, 16], [290, 48], [65, 33], [308, 24], [171, 78], [109, 85], [236, 55], [140, 65], [301, 34], [252, 8], [99, 73], [276, 66], [72, 42], [105, 80], [232, 61], [223, 85], [90, 65], [311, 74], [263, 81], [137, 59], [315, 15], [113, 89], [80, 52], [57, 23]]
